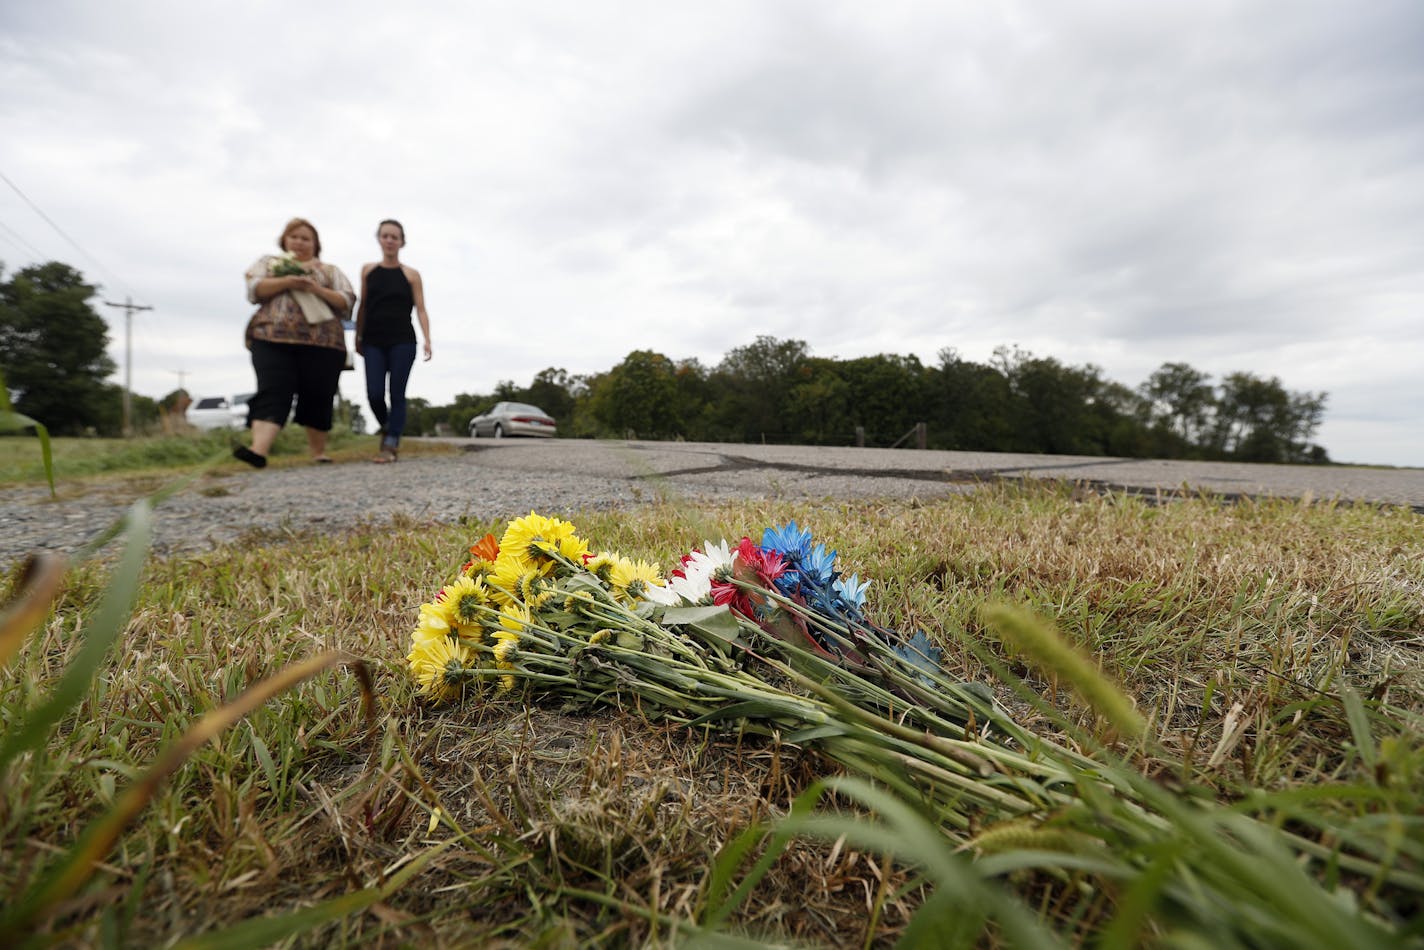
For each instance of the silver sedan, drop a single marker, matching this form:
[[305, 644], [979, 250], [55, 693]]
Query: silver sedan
[[512, 418]]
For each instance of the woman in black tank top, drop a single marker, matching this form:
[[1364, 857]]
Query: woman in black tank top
[[384, 335]]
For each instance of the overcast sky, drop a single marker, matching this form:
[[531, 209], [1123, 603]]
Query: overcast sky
[[1235, 185]]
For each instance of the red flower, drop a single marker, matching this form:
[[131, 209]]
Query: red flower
[[767, 565]]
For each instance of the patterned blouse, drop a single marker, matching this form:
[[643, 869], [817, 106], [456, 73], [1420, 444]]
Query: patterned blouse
[[279, 319]]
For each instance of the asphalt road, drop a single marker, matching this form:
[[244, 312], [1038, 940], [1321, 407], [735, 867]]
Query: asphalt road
[[493, 480], [836, 470]]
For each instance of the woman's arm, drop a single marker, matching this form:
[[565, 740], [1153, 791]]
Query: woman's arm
[[361, 308], [269, 287], [417, 291], [339, 294]]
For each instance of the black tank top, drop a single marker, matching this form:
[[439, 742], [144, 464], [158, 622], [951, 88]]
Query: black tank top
[[389, 301]]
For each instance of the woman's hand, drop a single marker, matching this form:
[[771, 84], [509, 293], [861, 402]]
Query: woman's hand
[[332, 297]]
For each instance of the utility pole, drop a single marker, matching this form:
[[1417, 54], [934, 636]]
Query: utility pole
[[128, 307]]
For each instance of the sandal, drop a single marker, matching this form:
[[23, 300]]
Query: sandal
[[322, 460]]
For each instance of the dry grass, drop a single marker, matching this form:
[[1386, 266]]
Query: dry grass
[[1232, 627]]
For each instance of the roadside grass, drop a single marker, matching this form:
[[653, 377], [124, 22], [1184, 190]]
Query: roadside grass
[[1274, 648], [21, 461]]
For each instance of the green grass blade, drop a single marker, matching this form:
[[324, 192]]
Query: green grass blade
[[11, 421], [77, 863], [781, 835], [724, 866], [265, 931], [1051, 654], [109, 621], [1359, 725]]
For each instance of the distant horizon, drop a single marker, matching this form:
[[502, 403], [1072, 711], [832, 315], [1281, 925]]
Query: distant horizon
[[490, 395]]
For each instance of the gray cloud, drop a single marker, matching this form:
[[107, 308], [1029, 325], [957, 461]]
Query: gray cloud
[[1232, 184]]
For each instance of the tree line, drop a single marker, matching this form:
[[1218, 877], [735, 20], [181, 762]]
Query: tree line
[[774, 390], [53, 354]]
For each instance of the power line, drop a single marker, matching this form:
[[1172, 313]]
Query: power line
[[60, 231], [21, 242]]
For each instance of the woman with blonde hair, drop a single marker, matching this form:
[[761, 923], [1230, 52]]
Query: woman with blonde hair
[[297, 342], [384, 335]]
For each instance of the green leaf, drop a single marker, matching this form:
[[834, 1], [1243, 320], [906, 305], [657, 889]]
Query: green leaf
[[718, 627], [705, 616], [264, 757], [804, 736]]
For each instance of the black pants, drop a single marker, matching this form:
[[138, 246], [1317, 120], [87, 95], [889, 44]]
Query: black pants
[[295, 370]]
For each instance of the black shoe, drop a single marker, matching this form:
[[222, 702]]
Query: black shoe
[[245, 454]]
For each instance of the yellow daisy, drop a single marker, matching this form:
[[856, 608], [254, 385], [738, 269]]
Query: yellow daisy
[[433, 624], [506, 644], [477, 568], [633, 581], [511, 577], [579, 601], [529, 538], [440, 607], [466, 600], [570, 547], [514, 618], [437, 665], [601, 564]]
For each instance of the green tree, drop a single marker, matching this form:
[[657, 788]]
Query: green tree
[[886, 395], [53, 350], [1258, 420], [693, 397], [1180, 400], [818, 408], [553, 391], [420, 416], [752, 384], [465, 407], [970, 405], [639, 395], [1054, 407]]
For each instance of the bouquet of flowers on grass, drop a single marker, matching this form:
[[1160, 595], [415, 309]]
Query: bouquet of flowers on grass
[[769, 638]]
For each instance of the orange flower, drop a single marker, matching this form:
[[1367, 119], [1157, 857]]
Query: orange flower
[[485, 550]]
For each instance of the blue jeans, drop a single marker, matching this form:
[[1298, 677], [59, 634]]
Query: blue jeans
[[395, 360]]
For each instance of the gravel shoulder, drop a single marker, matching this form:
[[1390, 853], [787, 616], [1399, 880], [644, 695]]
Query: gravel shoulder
[[496, 480]]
